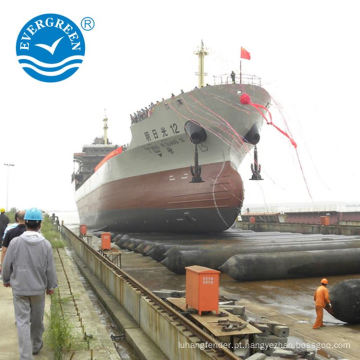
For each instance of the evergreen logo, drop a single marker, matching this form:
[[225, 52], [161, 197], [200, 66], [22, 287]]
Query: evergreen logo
[[50, 48]]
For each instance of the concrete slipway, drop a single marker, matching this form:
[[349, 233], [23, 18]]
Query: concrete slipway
[[289, 302]]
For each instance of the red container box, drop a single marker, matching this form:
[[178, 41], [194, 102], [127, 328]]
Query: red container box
[[202, 288], [325, 220], [105, 241]]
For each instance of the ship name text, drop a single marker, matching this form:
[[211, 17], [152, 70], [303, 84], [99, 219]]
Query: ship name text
[[154, 134]]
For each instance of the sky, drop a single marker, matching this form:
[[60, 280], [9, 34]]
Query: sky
[[306, 52]]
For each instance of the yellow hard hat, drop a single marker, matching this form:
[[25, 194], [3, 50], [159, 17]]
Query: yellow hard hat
[[2, 210], [324, 281]]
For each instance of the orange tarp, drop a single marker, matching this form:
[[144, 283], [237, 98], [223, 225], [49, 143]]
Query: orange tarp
[[108, 156]]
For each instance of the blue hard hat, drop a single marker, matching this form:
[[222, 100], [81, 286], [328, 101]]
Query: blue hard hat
[[33, 214]]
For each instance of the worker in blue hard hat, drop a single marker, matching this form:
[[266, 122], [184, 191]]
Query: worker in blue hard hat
[[29, 269]]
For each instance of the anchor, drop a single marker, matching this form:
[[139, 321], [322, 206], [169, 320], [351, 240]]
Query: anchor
[[196, 169], [256, 167], [197, 135]]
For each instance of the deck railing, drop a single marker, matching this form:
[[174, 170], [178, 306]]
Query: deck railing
[[243, 79]]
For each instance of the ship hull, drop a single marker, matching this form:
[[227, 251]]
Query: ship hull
[[150, 188], [167, 202]]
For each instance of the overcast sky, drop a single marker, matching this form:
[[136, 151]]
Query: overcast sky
[[306, 52]]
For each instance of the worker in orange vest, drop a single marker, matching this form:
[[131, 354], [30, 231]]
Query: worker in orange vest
[[322, 301]]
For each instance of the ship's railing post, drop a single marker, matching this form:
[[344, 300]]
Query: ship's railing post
[[245, 79]]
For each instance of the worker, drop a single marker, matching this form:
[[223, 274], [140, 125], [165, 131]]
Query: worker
[[13, 233], [10, 226], [232, 75], [29, 269], [322, 301], [4, 220]]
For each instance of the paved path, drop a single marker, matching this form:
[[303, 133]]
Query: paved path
[[101, 345]]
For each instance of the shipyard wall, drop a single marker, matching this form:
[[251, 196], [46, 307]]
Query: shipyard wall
[[300, 228], [172, 338], [305, 217]]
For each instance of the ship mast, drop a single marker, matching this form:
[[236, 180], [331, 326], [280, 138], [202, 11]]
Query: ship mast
[[201, 53], [105, 130]]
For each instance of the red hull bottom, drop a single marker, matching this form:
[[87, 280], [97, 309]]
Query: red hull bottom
[[166, 202]]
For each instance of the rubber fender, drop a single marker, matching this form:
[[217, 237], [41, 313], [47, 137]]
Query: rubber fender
[[195, 132], [252, 136], [345, 301]]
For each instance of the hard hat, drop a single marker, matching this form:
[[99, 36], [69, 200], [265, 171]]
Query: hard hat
[[2, 210], [324, 281], [33, 214]]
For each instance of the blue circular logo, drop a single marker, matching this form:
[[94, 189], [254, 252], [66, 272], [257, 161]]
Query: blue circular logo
[[50, 48]]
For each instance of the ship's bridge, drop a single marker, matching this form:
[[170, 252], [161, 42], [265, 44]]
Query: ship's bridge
[[90, 156]]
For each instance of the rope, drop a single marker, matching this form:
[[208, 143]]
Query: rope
[[219, 116], [223, 163], [246, 100], [220, 127], [214, 197], [196, 122]]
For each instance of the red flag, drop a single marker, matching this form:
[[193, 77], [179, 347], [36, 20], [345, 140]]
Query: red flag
[[245, 54]]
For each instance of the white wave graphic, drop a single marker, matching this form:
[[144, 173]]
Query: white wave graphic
[[47, 65], [50, 73]]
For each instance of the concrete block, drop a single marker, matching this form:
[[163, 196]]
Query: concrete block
[[303, 353], [269, 350], [234, 309], [242, 352], [257, 356], [269, 342], [281, 330], [263, 327], [311, 355], [272, 325], [282, 353], [243, 317]]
